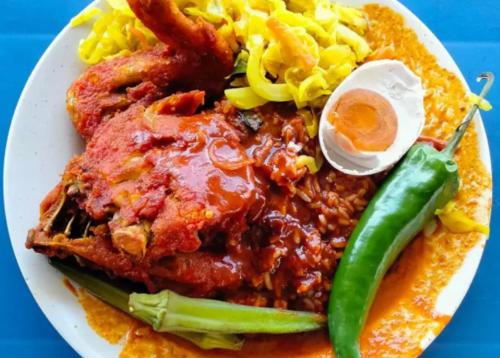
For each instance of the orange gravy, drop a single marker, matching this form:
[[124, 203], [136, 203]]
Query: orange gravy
[[403, 312]]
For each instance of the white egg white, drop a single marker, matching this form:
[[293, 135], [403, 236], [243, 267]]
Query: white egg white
[[403, 89]]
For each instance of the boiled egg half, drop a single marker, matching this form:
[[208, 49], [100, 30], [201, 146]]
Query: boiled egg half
[[372, 118]]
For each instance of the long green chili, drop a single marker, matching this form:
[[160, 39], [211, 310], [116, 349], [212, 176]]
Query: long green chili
[[425, 180]]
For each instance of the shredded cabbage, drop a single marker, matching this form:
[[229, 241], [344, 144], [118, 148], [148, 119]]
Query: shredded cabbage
[[311, 121], [277, 92], [85, 16], [298, 50], [115, 32], [120, 5], [244, 97], [456, 221], [309, 162]]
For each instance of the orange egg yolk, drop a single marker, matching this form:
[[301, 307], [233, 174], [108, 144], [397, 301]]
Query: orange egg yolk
[[366, 119]]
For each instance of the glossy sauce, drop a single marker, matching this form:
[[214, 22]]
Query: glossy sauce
[[403, 312]]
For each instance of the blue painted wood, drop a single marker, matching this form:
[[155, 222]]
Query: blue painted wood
[[469, 29]]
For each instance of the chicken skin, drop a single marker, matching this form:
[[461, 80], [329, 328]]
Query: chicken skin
[[191, 55], [160, 179]]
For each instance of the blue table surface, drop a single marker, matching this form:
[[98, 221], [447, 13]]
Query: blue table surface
[[470, 30]]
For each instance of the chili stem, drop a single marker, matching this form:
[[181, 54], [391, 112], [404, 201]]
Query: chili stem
[[460, 131]]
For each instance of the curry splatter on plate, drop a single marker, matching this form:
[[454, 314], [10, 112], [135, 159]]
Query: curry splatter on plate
[[402, 321]]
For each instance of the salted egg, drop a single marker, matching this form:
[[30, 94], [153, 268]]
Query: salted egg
[[372, 118]]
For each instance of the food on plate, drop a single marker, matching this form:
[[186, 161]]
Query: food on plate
[[196, 58], [203, 179], [456, 221], [298, 50], [165, 187], [426, 178], [163, 191], [207, 323], [85, 16], [116, 32], [373, 118], [119, 299], [363, 120]]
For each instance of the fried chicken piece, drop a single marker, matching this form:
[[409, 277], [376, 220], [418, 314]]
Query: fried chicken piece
[[151, 184], [170, 25], [198, 273], [192, 56]]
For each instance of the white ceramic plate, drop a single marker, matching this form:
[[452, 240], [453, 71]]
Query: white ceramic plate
[[42, 140]]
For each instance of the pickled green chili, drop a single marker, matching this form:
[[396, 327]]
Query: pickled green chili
[[424, 181]]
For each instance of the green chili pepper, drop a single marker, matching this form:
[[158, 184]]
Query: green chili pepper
[[424, 181]]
